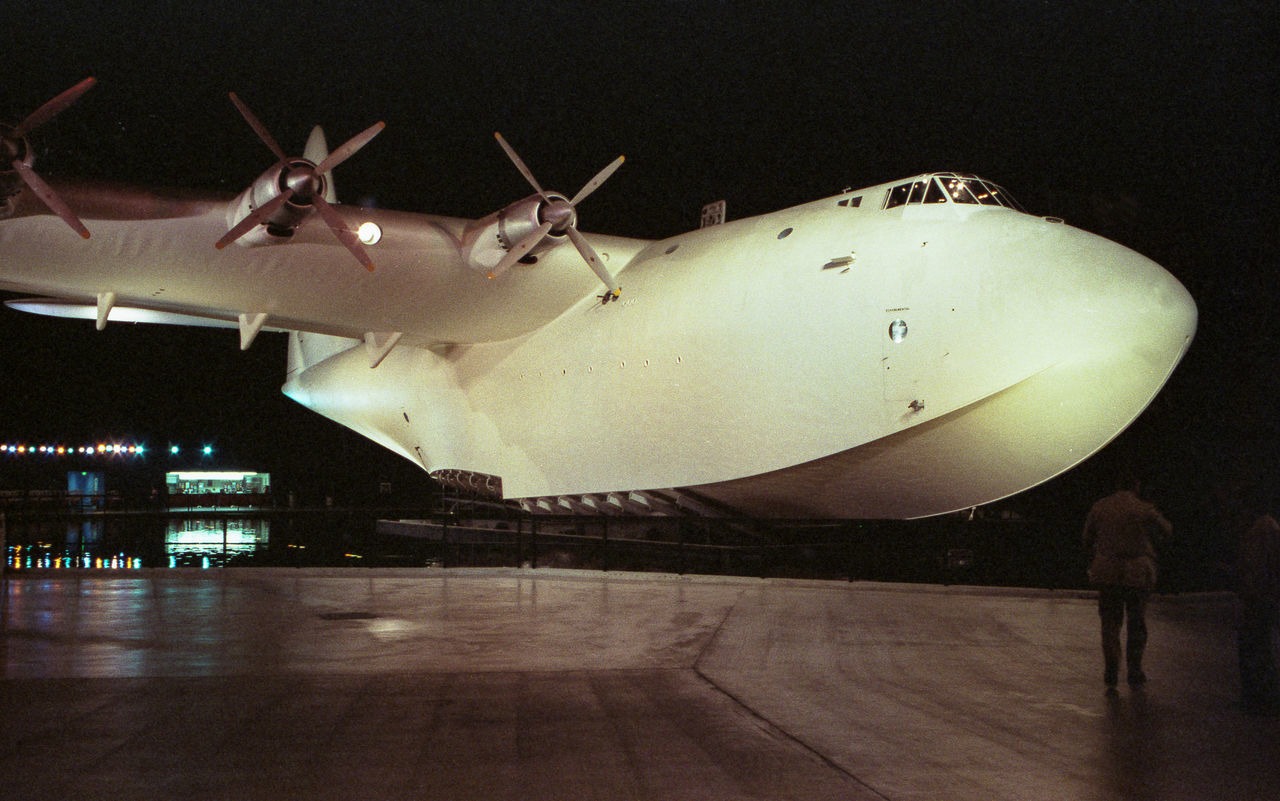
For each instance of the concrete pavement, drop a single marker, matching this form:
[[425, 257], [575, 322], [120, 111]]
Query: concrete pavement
[[510, 684]]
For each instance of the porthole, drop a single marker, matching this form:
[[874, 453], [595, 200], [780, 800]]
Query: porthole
[[785, 232], [898, 330]]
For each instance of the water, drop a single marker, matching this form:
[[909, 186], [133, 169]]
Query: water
[[991, 553], [316, 538]]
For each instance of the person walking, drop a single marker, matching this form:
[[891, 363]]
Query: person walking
[[1258, 572], [1120, 532]]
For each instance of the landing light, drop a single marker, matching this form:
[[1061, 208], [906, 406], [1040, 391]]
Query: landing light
[[369, 233]]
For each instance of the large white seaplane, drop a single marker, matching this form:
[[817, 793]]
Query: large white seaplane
[[894, 351]]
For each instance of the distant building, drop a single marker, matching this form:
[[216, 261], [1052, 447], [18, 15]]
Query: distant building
[[218, 489]]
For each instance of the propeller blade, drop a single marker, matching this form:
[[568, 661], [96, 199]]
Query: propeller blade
[[520, 250], [258, 216], [349, 148], [520, 165], [339, 228], [52, 108], [259, 129], [305, 182], [49, 197], [593, 261], [594, 183]]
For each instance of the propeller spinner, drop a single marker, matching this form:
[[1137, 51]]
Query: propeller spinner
[[302, 184], [17, 153], [559, 216]]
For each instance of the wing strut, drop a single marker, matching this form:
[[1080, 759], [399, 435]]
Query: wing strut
[[379, 352], [249, 328], [106, 300]]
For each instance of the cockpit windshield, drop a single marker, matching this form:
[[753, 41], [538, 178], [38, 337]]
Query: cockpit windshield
[[953, 187]]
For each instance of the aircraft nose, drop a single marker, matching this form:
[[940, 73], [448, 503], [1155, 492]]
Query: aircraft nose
[[1155, 317], [1178, 310], [1121, 308]]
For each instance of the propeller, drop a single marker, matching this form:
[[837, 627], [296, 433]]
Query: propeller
[[17, 153], [303, 183], [559, 216]]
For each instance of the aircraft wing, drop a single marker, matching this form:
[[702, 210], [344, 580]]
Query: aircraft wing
[[151, 257]]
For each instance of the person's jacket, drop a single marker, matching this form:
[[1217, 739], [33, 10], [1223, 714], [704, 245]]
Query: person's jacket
[[1259, 564], [1120, 531]]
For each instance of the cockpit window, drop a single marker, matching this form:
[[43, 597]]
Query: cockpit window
[[936, 193], [897, 195], [970, 189], [941, 187]]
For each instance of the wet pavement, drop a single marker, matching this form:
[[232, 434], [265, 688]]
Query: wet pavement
[[511, 684]]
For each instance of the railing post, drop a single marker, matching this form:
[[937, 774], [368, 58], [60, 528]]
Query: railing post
[[604, 545], [444, 541], [4, 579], [520, 541], [680, 546], [533, 542]]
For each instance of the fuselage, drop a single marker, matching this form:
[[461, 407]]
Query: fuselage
[[837, 359], [875, 354]]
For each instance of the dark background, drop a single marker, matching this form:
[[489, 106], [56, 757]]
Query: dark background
[[1154, 124]]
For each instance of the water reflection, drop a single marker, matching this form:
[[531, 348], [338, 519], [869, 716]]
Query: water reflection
[[47, 557], [87, 531], [189, 542], [210, 542]]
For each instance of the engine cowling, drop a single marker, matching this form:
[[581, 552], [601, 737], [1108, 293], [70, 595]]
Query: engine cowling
[[274, 204], [17, 158], [12, 148], [487, 240], [298, 175]]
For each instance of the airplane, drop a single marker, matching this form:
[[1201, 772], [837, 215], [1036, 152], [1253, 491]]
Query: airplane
[[895, 351]]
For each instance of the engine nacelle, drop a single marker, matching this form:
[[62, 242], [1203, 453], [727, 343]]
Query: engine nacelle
[[487, 240], [12, 148], [298, 174]]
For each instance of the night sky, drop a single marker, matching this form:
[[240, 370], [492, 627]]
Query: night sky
[[1153, 124]]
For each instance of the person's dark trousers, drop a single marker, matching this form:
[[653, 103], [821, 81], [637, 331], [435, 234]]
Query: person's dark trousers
[[1115, 604], [1259, 688]]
